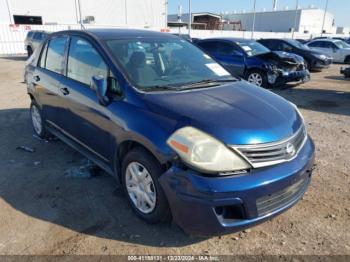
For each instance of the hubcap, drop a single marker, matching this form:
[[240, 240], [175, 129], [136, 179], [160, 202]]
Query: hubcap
[[36, 119], [140, 187], [256, 79]]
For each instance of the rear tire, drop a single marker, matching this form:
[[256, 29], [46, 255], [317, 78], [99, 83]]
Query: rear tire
[[29, 51], [258, 78], [140, 173], [37, 120]]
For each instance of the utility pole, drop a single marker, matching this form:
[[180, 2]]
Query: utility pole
[[253, 27], [80, 17], [9, 12], [324, 17], [165, 14], [189, 17], [126, 12], [295, 18]]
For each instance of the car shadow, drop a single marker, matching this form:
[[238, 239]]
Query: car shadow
[[328, 101], [341, 78], [37, 185], [15, 58]]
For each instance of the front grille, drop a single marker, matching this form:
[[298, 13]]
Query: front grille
[[272, 202], [260, 155]]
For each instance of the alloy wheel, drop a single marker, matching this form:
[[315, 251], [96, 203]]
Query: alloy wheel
[[140, 187], [36, 119], [256, 79]]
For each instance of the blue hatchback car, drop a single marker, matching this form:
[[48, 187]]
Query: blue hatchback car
[[185, 138], [254, 62]]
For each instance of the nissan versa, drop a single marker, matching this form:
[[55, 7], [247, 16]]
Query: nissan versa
[[184, 137]]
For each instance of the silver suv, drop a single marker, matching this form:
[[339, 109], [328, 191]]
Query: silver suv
[[33, 40]]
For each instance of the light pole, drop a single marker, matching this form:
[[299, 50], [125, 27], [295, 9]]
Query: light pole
[[324, 18], [189, 17], [9, 12], [295, 18], [253, 27], [126, 12]]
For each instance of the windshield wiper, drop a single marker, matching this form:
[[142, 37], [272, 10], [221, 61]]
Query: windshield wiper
[[160, 88], [206, 83]]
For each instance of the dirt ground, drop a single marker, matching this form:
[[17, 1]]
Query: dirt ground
[[45, 211]]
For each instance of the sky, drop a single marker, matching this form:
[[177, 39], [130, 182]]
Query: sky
[[339, 8]]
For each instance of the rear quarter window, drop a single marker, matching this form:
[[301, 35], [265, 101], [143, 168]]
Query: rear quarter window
[[55, 54]]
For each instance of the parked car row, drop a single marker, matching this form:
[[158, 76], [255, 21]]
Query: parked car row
[[254, 62], [185, 138]]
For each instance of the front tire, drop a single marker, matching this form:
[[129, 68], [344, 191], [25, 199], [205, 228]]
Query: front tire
[[347, 60], [37, 120], [258, 78], [140, 173]]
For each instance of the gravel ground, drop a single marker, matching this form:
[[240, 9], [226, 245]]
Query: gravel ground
[[44, 210]]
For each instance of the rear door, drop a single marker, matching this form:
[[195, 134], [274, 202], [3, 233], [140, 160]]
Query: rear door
[[231, 58], [223, 52], [82, 118], [47, 76]]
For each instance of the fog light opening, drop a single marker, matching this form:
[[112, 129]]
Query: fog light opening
[[230, 212]]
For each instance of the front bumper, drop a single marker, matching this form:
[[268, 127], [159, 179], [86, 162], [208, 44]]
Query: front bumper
[[284, 77], [206, 205], [321, 64]]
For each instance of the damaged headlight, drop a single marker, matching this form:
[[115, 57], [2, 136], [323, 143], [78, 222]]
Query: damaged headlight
[[270, 67], [320, 56], [204, 152]]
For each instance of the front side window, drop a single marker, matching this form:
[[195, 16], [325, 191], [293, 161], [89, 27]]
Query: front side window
[[252, 48], [84, 61], [156, 63], [341, 44], [55, 54]]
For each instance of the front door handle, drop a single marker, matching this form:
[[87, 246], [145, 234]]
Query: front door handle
[[37, 78], [64, 90]]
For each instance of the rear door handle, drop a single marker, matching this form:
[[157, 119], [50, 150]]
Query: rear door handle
[[37, 78], [64, 90]]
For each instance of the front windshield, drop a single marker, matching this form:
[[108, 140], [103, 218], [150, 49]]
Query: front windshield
[[252, 48], [341, 44], [158, 63], [297, 44]]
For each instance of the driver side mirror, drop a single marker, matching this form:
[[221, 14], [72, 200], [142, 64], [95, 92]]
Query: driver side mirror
[[99, 84]]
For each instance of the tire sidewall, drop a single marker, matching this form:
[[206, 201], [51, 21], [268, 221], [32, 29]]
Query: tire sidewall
[[161, 210], [43, 130]]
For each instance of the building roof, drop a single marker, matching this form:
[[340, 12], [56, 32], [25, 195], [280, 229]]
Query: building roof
[[185, 17]]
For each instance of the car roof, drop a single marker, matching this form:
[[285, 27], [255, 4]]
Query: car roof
[[233, 39], [114, 33], [326, 40]]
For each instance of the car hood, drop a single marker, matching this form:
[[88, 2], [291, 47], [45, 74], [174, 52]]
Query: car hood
[[281, 58], [237, 113], [289, 56]]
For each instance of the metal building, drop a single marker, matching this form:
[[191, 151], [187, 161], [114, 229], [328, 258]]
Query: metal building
[[308, 20], [125, 13]]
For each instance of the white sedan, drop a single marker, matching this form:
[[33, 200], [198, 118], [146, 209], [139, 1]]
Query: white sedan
[[338, 49]]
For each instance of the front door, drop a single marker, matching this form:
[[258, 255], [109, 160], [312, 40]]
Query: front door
[[82, 118]]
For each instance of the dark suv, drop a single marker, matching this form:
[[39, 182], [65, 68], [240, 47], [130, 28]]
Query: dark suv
[[182, 135], [33, 40], [314, 60]]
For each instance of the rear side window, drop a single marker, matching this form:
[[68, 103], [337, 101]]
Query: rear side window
[[43, 57], [84, 61], [316, 44], [55, 54], [38, 36], [209, 46]]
